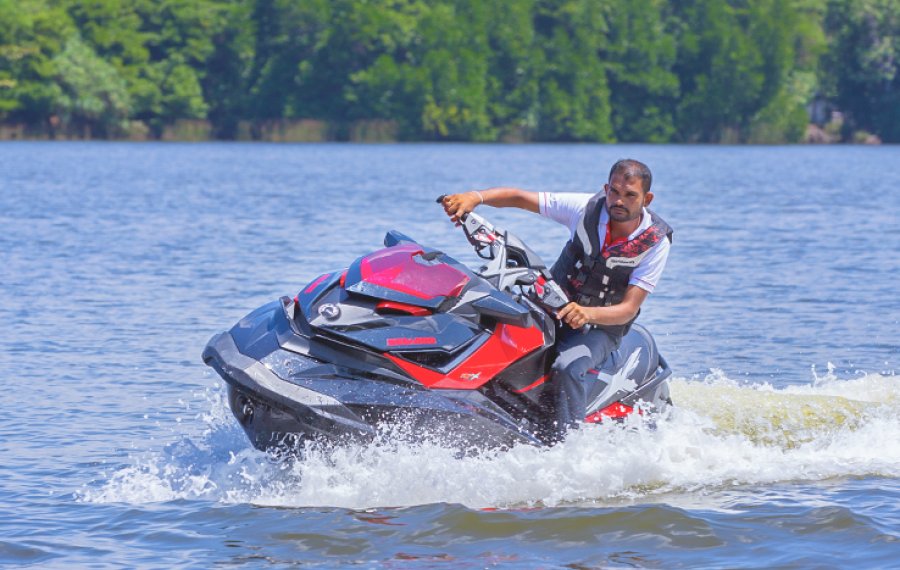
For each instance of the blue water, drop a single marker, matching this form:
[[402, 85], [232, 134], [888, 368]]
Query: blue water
[[778, 312]]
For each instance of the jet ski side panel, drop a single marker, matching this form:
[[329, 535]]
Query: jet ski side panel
[[635, 372], [283, 396], [316, 413]]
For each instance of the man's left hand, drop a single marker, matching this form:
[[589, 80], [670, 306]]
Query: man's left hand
[[574, 315]]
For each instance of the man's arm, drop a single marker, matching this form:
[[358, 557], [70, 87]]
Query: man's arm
[[576, 316], [458, 205]]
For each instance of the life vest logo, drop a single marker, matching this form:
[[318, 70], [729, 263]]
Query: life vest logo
[[625, 261]]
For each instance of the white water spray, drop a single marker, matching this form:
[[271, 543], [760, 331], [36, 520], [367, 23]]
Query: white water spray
[[720, 433]]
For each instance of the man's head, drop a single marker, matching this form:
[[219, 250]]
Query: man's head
[[628, 190]]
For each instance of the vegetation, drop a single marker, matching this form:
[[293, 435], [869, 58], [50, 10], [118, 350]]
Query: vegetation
[[550, 70]]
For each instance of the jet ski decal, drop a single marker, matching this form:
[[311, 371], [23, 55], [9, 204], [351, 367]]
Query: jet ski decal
[[508, 344]]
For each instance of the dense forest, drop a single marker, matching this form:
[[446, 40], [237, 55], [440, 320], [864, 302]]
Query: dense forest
[[757, 71]]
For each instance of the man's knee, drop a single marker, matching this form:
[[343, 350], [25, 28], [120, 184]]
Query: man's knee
[[571, 358], [565, 369]]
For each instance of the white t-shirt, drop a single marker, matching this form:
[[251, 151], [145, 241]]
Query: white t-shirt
[[567, 208]]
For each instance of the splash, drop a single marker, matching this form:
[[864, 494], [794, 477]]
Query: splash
[[785, 417], [720, 433]]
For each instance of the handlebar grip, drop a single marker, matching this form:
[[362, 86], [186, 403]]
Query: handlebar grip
[[440, 200]]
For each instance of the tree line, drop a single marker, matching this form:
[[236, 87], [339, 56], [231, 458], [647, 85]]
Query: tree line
[[468, 70]]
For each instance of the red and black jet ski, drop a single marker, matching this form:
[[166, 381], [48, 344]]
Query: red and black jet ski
[[408, 335]]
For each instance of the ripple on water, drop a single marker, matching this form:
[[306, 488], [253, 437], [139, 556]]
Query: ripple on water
[[19, 554]]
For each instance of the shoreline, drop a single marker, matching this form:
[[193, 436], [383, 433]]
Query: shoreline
[[372, 131]]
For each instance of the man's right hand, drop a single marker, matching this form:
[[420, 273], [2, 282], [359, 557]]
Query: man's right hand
[[458, 205]]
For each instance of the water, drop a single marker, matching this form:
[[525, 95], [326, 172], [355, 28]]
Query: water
[[778, 312]]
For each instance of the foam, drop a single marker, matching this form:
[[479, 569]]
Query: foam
[[720, 433]]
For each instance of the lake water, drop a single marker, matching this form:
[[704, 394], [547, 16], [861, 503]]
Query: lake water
[[779, 313]]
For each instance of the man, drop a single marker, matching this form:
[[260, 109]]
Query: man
[[615, 255]]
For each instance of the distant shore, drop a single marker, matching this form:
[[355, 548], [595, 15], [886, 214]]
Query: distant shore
[[198, 130], [312, 130]]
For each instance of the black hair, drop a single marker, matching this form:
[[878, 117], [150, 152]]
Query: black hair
[[630, 169]]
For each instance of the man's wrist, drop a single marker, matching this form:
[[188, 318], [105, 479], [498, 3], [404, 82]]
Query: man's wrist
[[591, 313]]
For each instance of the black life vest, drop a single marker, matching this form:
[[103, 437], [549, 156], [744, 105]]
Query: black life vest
[[596, 278]]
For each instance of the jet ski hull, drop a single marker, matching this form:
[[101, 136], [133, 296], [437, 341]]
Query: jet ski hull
[[275, 412]]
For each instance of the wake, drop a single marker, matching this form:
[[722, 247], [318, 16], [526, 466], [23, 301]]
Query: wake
[[720, 433]]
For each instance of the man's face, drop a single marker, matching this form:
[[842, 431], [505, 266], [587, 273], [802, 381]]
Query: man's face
[[625, 198]]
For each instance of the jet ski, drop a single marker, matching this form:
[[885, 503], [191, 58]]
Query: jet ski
[[408, 336]]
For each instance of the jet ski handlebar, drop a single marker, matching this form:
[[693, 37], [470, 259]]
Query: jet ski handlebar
[[511, 262], [488, 240]]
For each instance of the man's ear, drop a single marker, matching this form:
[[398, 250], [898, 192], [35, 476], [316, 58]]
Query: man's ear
[[648, 197]]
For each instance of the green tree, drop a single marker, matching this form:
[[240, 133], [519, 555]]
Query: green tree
[[556, 70], [226, 71], [159, 48], [640, 54], [288, 35], [31, 34], [515, 61], [434, 76], [734, 63], [862, 66], [719, 69], [337, 82], [179, 41], [775, 28], [94, 95], [574, 94], [455, 72]]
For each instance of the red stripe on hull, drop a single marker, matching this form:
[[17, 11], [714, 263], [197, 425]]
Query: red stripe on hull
[[532, 386], [508, 344], [614, 411], [403, 308], [316, 283]]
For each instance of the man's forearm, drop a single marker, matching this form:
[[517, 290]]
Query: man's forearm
[[458, 205], [576, 315], [508, 197], [612, 315]]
